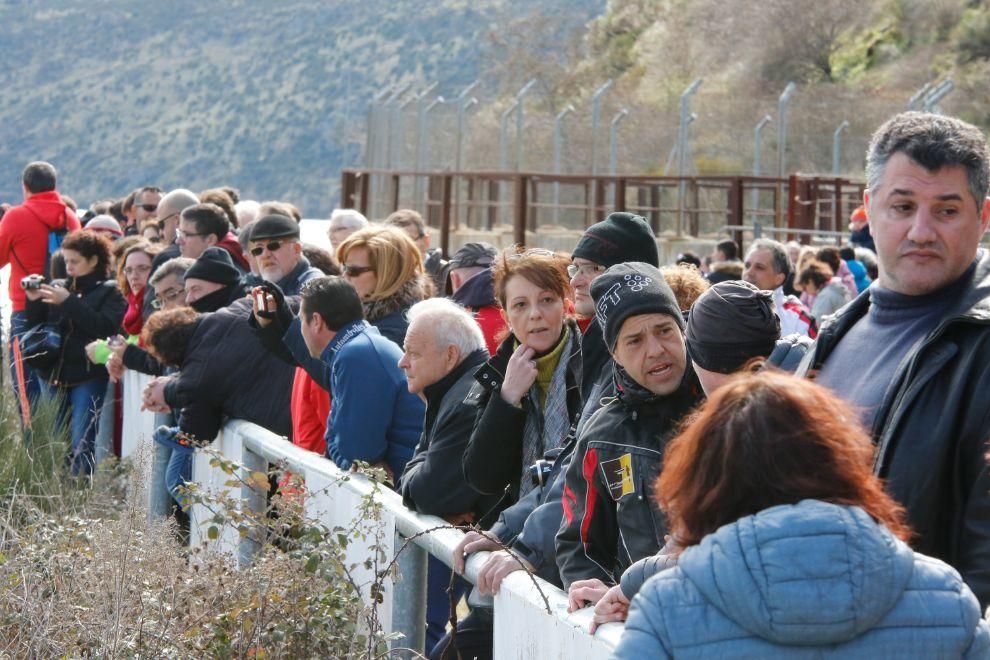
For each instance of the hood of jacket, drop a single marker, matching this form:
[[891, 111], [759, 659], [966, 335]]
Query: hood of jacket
[[478, 291], [49, 208], [233, 247], [805, 574]]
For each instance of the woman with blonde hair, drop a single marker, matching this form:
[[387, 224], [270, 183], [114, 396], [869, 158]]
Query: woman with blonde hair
[[386, 268]]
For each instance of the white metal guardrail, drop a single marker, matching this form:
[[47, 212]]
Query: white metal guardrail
[[523, 627]]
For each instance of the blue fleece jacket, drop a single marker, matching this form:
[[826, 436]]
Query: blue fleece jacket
[[809, 580], [373, 417]]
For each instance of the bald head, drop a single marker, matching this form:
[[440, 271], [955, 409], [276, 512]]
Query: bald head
[[172, 204]]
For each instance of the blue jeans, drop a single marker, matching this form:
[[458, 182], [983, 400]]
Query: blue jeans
[[178, 472], [18, 326], [80, 408]]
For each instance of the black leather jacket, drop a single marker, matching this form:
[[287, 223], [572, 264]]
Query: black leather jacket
[[610, 519], [931, 429]]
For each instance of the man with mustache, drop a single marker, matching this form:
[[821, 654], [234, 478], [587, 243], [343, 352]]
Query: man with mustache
[[912, 355]]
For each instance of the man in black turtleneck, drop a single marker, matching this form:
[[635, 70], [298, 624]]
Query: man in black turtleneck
[[213, 282], [912, 352]]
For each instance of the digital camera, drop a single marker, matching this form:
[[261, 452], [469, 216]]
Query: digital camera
[[32, 282]]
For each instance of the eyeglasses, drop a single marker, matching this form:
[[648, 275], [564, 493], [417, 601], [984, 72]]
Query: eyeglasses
[[186, 234], [130, 270], [149, 208], [532, 252], [166, 297], [354, 271], [588, 270], [271, 247]]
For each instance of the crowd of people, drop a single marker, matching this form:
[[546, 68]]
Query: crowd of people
[[776, 451]]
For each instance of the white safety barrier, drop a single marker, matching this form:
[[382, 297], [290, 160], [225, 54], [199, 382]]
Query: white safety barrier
[[523, 626]]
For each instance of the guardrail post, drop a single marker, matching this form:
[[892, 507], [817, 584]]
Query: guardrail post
[[409, 597], [620, 194], [254, 501], [519, 221]]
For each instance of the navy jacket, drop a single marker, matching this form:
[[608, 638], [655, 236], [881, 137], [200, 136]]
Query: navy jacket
[[433, 482]]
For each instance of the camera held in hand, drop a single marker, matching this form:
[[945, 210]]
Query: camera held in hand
[[32, 282]]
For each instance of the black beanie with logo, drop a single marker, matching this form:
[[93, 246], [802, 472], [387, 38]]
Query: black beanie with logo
[[631, 289]]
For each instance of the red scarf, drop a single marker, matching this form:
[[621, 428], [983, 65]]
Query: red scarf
[[133, 321]]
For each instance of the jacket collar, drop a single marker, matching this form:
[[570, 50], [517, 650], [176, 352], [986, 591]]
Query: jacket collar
[[344, 335], [973, 306], [86, 283], [295, 273], [633, 396], [478, 291], [437, 391], [492, 373]]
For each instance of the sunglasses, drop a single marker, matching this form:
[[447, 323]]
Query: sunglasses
[[271, 247], [149, 208], [131, 270], [354, 271]]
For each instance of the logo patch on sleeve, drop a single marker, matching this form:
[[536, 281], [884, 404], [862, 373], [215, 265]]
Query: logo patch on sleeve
[[619, 476]]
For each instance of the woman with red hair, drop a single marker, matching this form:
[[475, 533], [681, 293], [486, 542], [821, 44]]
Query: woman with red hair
[[786, 544]]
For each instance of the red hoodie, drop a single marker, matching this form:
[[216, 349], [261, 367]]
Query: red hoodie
[[24, 238], [233, 247]]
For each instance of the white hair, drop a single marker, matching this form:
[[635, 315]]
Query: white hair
[[247, 211], [350, 217], [451, 324]]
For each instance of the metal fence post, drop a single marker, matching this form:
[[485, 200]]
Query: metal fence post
[[254, 501], [520, 121], [421, 141], [596, 109], [757, 165], [408, 597], [782, 103], [837, 146], [930, 103], [503, 152], [558, 142], [613, 148], [682, 139]]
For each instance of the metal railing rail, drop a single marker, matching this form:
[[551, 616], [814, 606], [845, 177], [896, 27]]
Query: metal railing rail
[[523, 626]]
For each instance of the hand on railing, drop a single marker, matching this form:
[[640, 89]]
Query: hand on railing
[[153, 397], [614, 606], [471, 543], [585, 592], [116, 368], [499, 565]]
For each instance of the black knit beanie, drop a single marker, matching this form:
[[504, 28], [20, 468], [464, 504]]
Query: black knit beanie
[[730, 324], [631, 289], [618, 238], [214, 265]]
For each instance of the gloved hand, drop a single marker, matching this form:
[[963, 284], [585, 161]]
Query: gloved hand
[[270, 305]]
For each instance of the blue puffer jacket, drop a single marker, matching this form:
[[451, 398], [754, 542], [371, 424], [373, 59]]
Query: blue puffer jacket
[[810, 580]]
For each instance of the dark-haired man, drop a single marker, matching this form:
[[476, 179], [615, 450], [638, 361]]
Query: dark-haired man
[[768, 266], [24, 242], [725, 252], [610, 519], [913, 354], [205, 225], [374, 417]]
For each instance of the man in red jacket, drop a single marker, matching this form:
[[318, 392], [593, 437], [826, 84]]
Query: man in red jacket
[[24, 244], [472, 285]]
